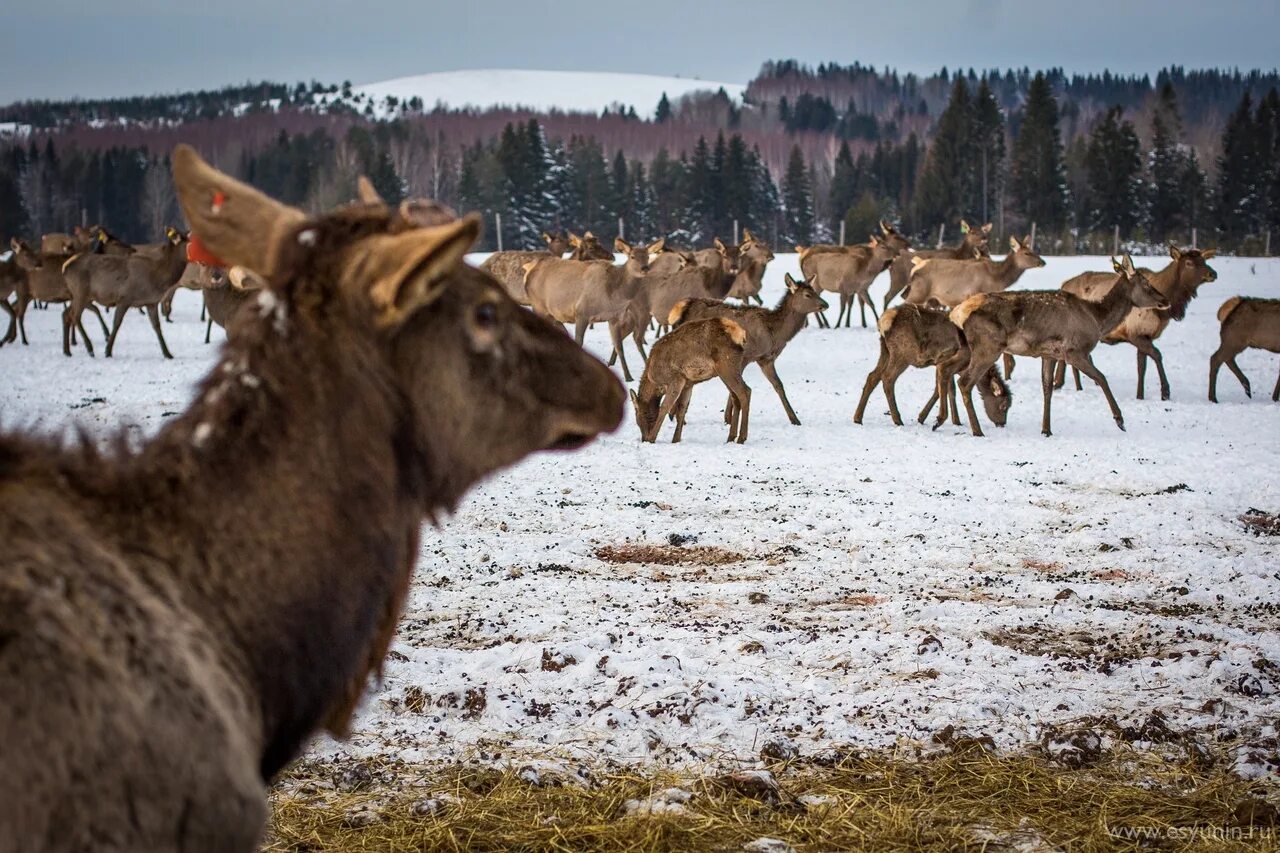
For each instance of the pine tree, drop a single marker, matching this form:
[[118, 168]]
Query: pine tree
[[668, 179], [736, 180], [700, 208], [988, 139], [663, 113], [621, 197], [1267, 122], [1167, 164], [844, 186], [1239, 191], [1039, 184], [642, 221], [1114, 163], [797, 200], [947, 184]]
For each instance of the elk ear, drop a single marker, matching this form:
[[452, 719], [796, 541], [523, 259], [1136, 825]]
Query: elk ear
[[997, 387], [790, 282], [746, 232], [619, 245], [986, 229], [1117, 266], [1175, 252], [1014, 244], [366, 192], [411, 269], [719, 245], [1128, 265], [588, 236], [236, 222], [657, 246], [574, 240], [546, 238], [964, 227], [635, 398], [244, 279], [1208, 254]]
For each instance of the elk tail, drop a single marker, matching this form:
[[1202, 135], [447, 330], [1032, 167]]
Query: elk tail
[[1227, 307]]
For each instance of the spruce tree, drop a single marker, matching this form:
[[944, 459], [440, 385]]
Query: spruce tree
[[1114, 163], [844, 186], [1167, 208], [988, 139], [797, 201], [947, 184], [663, 113], [1039, 186], [1239, 191]]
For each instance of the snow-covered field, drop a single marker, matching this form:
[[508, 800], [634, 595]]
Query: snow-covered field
[[894, 581], [567, 91]]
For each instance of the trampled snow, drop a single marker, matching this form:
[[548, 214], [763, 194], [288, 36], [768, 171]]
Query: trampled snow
[[543, 91], [1097, 572]]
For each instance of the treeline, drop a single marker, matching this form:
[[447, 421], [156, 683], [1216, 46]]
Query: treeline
[[1022, 150]]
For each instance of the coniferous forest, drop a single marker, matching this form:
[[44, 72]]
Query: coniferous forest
[[809, 150]]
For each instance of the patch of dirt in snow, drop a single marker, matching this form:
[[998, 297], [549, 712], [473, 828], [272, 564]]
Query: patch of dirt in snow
[[668, 555]]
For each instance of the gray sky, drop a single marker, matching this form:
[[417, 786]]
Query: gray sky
[[64, 48]]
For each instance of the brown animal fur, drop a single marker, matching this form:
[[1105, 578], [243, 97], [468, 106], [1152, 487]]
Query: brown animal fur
[[949, 282], [693, 353], [768, 330], [508, 267], [1246, 323], [46, 283], [1050, 324], [912, 336], [1179, 281], [975, 243], [212, 599], [849, 273], [13, 282]]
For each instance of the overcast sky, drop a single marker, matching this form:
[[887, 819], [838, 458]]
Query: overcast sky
[[64, 48]]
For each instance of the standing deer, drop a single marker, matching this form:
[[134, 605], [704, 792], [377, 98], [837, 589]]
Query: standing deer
[[975, 244], [217, 596], [726, 256], [662, 291], [1178, 281], [123, 282], [912, 336], [888, 234], [583, 293], [768, 330], [508, 267], [949, 282], [588, 248], [1246, 323], [13, 282], [849, 273], [1049, 324], [693, 353], [46, 283]]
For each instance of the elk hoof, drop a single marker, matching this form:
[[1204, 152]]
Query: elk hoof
[[1164, 396], [1120, 423]]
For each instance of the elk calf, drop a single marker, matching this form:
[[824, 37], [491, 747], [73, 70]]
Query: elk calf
[[949, 282], [975, 244], [1049, 324], [768, 330], [911, 336], [693, 353], [508, 267], [849, 273], [1246, 323]]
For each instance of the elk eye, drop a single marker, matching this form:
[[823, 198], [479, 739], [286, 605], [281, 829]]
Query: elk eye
[[486, 315]]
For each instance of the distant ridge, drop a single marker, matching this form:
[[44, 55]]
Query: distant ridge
[[541, 91]]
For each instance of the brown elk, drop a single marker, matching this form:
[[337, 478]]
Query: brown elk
[[588, 248], [888, 234], [912, 336], [508, 267], [46, 283], [123, 282], [1178, 281], [583, 293], [724, 255], [1049, 324], [974, 244], [662, 291], [850, 274], [691, 354], [1245, 323], [768, 330], [949, 282], [13, 282], [217, 596]]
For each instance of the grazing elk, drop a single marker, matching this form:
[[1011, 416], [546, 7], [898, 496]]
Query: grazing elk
[[693, 353], [13, 282], [46, 283], [508, 267], [949, 282], [975, 244], [123, 282], [912, 336], [1178, 281], [1245, 323], [583, 293], [849, 273], [1049, 324], [215, 597], [768, 330]]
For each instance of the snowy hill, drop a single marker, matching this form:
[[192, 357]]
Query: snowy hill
[[568, 91]]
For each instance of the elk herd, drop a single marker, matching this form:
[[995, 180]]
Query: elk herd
[[957, 316]]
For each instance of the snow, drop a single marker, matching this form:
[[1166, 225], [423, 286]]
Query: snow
[[1097, 572], [542, 91]]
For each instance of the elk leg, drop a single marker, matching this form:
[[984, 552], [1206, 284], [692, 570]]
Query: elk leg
[[863, 304], [1215, 362], [771, 373], [967, 380], [106, 333], [873, 379], [153, 311], [166, 303], [11, 334], [742, 394], [682, 408], [1059, 375], [1008, 365], [759, 299], [204, 305], [616, 333], [1147, 349], [121, 312], [844, 303], [580, 329], [1047, 368], [208, 329], [67, 325], [1086, 366], [1235, 368], [22, 317], [1275, 395], [664, 410], [934, 399], [1076, 373], [951, 398], [889, 382]]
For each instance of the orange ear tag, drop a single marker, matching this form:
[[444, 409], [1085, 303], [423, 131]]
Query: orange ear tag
[[197, 253]]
